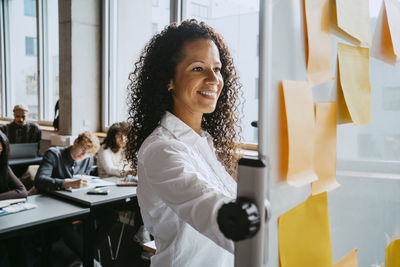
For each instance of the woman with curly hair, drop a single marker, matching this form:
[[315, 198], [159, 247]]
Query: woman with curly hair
[[183, 115]]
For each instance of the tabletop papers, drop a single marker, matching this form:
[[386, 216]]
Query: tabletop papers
[[318, 41], [299, 108], [354, 84], [304, 236], [325, 148]]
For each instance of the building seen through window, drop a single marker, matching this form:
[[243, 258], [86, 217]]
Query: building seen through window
[[23, 61]]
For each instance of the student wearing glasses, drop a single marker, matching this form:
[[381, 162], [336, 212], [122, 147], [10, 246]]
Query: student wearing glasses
[[60, 164], [58, 167]]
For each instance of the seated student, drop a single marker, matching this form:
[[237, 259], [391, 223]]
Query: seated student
[[111, 160], [58, 166], [20, 130], [10, 186]]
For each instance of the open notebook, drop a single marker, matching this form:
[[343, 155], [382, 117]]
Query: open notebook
[[14, 205], [93, 181]]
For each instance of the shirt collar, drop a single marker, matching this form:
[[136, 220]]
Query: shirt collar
[[181, 130]]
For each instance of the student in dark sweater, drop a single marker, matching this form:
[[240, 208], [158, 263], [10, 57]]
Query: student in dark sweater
[[19, 130], [58, 167]]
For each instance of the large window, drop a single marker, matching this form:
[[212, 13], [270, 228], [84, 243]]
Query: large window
[[29, 57], [128, 25], [236, 20]]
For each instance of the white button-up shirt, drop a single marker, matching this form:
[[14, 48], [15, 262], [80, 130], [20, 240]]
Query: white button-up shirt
[[181, 187]]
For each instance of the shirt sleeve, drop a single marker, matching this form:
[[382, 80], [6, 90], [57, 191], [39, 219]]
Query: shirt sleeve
[[104, 161], [17, 189], [43, 179], [173, 179]]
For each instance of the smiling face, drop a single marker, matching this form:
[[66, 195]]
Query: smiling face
[[198, 81]]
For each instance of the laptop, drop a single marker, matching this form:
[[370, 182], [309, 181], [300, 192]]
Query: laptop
[[27, 150]]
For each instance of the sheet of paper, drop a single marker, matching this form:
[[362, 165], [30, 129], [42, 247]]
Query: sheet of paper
[[350, 260], [304, 237], [299, 108], [392, 254], [393, 17], [353, 18], [325, 148], [355, 82], [92, 182], [382, 46], [318, 41]]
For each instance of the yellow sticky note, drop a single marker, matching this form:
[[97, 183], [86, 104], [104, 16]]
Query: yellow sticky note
[[318, 41], [355, 82], [299, 108], [393, 17], [325, 148], [304, 237], [353, 18], [350, 260], [392, 254]]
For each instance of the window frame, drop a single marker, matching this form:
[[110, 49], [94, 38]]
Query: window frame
[[41, 45], [109, 31]]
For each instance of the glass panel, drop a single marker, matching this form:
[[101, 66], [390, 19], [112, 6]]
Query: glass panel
[[237, 22], [21, 56], [136, 22], [380, 139], [50, 59], [30, 8]]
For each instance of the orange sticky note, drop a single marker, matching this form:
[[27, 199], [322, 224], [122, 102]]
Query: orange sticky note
[[392, 254], [382, 45], [318, 41], [304, 237], [353, 18], [354, 83], [350, 260], [325, 148], [393, 17], [300, 126]]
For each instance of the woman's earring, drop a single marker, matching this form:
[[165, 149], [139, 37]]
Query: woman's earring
[[169, 89]]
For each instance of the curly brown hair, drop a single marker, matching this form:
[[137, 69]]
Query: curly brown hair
[[149, 97], [110, 140]]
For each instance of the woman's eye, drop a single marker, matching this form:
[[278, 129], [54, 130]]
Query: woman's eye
[[217, 69], [197, 69]]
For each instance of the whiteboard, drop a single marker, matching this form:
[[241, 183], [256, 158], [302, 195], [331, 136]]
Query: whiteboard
[[366, 208]]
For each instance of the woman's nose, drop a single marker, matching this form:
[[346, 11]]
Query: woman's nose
[[212, 77]]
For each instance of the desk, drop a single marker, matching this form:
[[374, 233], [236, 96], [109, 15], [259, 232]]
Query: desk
[[49, 210], [25, 161], [116, 194]]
